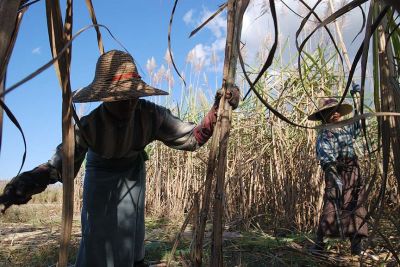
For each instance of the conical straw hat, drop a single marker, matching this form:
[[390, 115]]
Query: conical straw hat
[[327, 105], [116, 79]]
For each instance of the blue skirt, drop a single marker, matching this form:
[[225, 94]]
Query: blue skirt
[[112, 217]]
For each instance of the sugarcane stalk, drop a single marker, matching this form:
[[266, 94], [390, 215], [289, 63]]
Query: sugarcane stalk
[[197, 254], [345, 54], [90, 8], [344, 51], [390, 101], [9, 24], [236, 10], [340, 36], [59, 35], [223, 122], [2, 86]]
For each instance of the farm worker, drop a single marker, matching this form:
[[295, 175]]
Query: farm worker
[[343, 211], [113, 138]]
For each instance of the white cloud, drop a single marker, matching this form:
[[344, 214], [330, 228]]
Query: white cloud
[[254, 30], [218, 45], [255, 27], [217, 25], [199, 56], [258, 28], [200, 51], [257, 33], [208, 54], [188, 17], [37, 51]]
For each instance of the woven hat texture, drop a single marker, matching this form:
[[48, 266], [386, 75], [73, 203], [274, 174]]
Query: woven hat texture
[[116, 79], [328, 105]]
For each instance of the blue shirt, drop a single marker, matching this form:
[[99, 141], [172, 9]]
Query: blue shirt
[[336, 143]]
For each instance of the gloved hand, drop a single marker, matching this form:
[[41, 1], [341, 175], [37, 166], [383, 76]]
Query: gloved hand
[[22, 187], [232, 94], [204, 130], [356, 88]]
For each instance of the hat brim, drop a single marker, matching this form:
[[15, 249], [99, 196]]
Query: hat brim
[[343, 109], [115, 91]]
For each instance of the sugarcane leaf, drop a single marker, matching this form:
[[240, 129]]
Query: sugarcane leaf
[[363, 24], [220, 9], [14, 120], [300, 47], [56, 58], [364, 58], [294, 12], [10, 20], [92, 13], [271, 53], [59, 35], [169, 43], [26, 4]]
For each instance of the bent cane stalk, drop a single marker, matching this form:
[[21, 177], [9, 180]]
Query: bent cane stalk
[[9, 24], [59, 35], [223, 123], [236, 10]]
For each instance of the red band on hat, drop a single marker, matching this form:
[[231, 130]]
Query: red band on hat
[[125, 76]]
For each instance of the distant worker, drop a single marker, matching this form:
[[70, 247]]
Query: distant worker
[[343, 213], [113, 138]]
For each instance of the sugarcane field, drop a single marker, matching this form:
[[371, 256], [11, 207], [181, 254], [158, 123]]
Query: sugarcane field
[[199, 133]]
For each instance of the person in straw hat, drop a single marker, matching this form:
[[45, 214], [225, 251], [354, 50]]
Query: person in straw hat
[[343, 211], [113, 138]]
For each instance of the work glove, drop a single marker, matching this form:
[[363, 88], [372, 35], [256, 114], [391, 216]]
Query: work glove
[[356, 88], [232, 94], [204, 130], [22, 187]]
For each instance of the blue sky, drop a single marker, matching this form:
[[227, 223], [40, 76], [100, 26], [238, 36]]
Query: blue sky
[[142, 27]]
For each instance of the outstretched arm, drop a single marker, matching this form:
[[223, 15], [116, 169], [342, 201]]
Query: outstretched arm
[[22, 187], [188, 136]]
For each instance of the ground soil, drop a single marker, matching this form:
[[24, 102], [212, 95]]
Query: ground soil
[[34, 242]]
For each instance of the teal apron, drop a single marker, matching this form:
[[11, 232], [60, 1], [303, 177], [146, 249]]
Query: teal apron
[[112, 217]]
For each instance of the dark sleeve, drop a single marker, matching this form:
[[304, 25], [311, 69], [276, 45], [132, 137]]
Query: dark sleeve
[[178, 134], [21, 188], [80, 152], [173, 132]]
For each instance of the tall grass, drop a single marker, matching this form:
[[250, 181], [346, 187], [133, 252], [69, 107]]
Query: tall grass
[[53, 194], [272, 174], [43, 208], [273, 177]]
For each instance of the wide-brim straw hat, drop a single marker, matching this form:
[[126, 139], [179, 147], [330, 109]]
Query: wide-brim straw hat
[[328, 105], [116, 79]]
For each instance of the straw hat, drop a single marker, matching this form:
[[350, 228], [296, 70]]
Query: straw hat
[[328, 105], [116, 79]]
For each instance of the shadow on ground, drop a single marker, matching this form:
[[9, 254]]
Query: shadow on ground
[[35, 243]]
